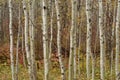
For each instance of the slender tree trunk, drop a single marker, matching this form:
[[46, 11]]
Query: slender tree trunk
[[23, 45], [74, 57], [102, 41], [51, 33], [45, 38], [23, 53], [112, 39], [79, 51], [26, 40], [11, 39], [18, 40], [89, 28], [57, 2], [31, 29], [72, 34], [79, 48], [74, 41], [79, 8], [117, 40], [1, 23]]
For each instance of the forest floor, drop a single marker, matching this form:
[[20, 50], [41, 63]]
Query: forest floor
[[5, 71]]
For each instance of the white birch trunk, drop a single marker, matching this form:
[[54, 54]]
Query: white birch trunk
[[57, 2], [88, 44], [74, 57], [26, 40], [11, 40], [18, 39], [51, 33], [75, 44], [24, 59], [1, 23], [79, 32], [112, 39], [79, 49], [117, 40], [102, 42], [79, 52], [31, 33], [45, 38], [72, 46]]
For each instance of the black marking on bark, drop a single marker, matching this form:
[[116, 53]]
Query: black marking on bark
[[62, 73], [44, 7], [24, 8], [89, 20]]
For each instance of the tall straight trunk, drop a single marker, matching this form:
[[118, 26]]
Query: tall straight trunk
[[23, 45], [117, 40], [75, 42], [102, 41], [88, 44], [105, 30], [74, 57], [79, 32], [51, 32], [79, 24], [1, 23], [31, 29], [11, 39], [45, 38], [57, 2], [23, 53], [92, 53], [18, 40], [79, 51], [27, 41], [72, 38], [112, 39]]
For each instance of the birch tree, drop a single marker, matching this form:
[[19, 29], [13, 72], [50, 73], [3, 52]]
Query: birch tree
[[24, 59], [88, 46], [18, 40], [74, 57], [102, 47], [117, 40], [26, 40], [11, 39], [75, 41], [51, 31], [57, 2], [45, 38], [72, 35], [112, 39], [79, 25], [31, 33], [1, 23]]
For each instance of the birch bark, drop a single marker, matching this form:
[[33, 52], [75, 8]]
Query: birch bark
[[45, 38], [51, 32], [112, 39], [26, 40], [72, 38], [57, 2], [31, 29], [88, 44], [102, 41], [18, 40], [117, 40], [11, 39]]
